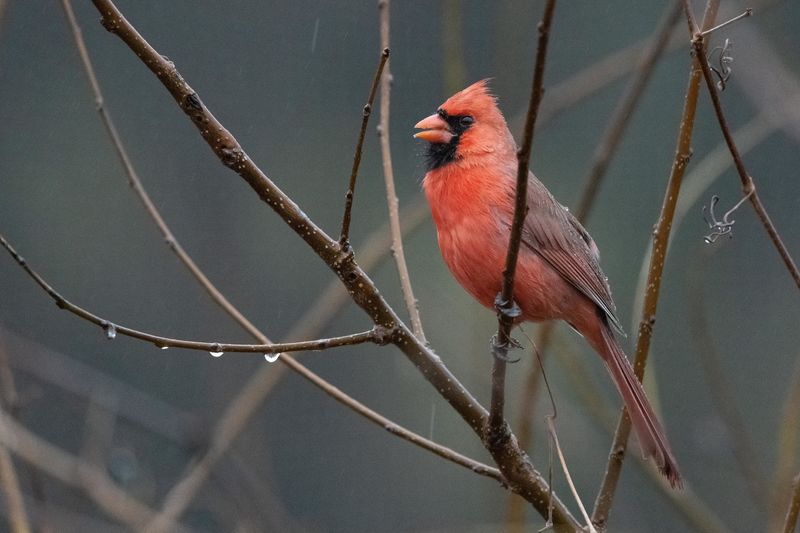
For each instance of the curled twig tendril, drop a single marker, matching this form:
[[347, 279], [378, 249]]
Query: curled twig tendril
[[720, 228]]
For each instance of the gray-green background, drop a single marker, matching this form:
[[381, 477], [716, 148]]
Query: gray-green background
[[289, 80]]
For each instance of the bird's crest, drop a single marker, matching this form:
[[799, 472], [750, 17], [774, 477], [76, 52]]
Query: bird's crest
[[474, 100]]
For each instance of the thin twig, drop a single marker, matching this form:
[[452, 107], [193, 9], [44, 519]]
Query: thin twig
[[507, 308], [793, 511], [76, 473], [747, 12], [344, 239], [388, 176], [518, 471], [377, 334], [605, 496], [748, 185]]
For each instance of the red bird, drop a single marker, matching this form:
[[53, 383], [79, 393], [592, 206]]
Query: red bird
[[470, 186]]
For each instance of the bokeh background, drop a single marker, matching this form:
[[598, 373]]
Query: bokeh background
[[289, 79]]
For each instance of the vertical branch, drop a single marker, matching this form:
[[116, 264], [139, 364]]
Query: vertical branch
[[388, 176], [748, 185], [344, 239], [506, 307], [605, 496]]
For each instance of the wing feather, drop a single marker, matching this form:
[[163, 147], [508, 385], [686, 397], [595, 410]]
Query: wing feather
[[556, 235]]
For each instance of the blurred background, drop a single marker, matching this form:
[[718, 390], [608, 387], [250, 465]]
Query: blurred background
[[289, 80]]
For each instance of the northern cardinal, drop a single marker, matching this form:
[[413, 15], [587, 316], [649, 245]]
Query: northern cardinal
[[470, 186]]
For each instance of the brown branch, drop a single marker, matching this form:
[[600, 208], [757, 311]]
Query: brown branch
[[605, 496], [77, 473], [377, 335], [506, 306], [388, 176], [344, 239], [748, 185], [793, 511], [519, 473]]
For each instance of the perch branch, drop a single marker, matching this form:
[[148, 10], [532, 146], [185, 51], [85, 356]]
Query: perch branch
[[344, 239], [507, 308], [748, 185], [605, 496], [388, 176], [519, 472]]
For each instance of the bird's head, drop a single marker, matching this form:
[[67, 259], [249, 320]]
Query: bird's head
[[468, 124]]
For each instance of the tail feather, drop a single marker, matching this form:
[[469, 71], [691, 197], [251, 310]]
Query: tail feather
[[645, 423]]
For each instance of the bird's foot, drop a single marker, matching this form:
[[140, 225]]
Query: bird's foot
[[500, 349], [507, 309]]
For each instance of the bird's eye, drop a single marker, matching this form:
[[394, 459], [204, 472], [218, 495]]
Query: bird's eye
[[467, 120], [442, 113]]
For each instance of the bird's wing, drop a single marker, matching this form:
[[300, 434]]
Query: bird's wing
[[556, 235]]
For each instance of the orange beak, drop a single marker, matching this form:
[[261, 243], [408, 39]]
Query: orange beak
[[436, 130]]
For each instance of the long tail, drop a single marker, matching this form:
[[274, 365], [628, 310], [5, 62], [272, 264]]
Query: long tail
[[648, 429]]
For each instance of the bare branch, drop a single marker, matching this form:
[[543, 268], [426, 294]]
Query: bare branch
[[344, 239], [504, 303], [377, 335], [605, 496], [748, 185], [388, 176]]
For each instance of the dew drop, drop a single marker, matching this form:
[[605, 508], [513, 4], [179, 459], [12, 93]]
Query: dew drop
[[271, 358], [216, 351], [111, 331], [165, 347], [216, 354]]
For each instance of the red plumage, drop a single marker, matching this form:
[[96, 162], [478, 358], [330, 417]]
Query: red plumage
[[470, 187]]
